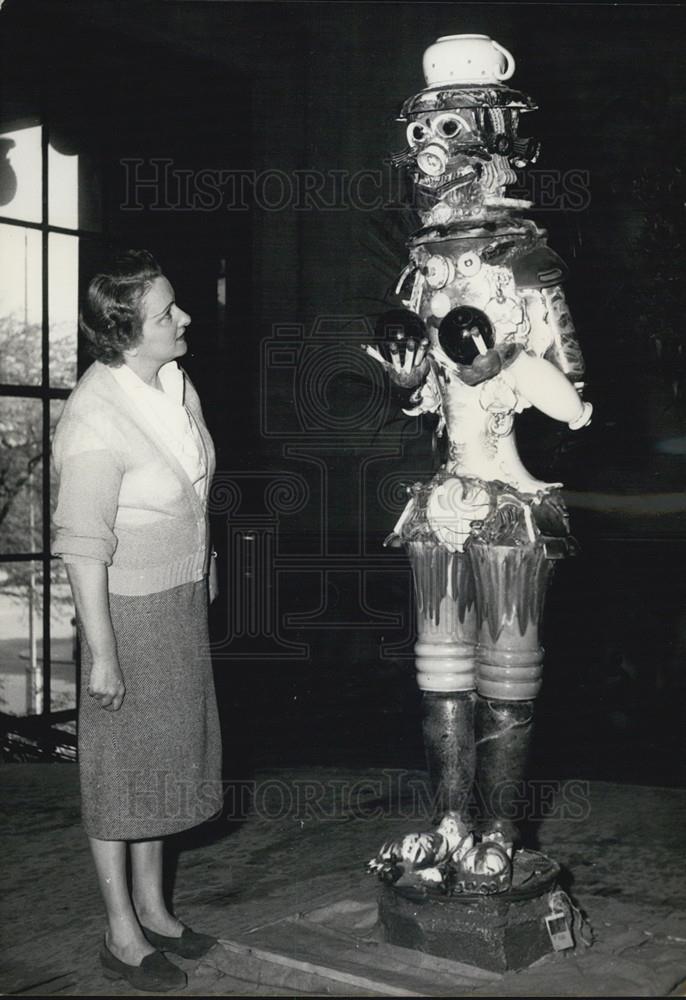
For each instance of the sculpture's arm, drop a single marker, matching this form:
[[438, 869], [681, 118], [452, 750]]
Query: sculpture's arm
[[538, 277], [545, 387], [564, 351]]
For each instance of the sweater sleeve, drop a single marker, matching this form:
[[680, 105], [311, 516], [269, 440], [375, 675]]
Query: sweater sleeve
[[90, 475]]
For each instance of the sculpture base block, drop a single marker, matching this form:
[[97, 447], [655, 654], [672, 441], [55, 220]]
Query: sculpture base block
[[500, 932]]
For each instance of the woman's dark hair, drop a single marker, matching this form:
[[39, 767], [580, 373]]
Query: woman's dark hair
[[111, 317]]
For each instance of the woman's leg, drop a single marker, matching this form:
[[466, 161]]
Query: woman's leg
[[148, 896], [124, 937]]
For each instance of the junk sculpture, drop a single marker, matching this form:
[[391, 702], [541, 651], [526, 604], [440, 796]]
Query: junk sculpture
[[485, 333]]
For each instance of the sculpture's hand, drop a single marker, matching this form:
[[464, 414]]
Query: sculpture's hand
[[406, 364]]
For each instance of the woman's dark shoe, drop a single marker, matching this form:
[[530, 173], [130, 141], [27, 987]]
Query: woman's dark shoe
[[155, 973], [189, 945]]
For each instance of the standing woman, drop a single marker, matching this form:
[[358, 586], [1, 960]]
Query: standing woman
[[135, 462]]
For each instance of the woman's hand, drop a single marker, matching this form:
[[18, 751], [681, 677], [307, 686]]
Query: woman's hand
[[106, 684], [89, 586]]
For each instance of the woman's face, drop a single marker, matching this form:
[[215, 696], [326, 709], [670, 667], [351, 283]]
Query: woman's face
[[164, 325]]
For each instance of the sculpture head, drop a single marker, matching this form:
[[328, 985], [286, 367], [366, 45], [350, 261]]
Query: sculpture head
[[462, 133]]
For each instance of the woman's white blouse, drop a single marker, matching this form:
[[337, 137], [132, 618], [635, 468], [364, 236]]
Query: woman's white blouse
[[169, 418]]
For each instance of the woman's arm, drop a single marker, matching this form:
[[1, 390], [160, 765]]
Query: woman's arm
[[88, 582], [90, 475]]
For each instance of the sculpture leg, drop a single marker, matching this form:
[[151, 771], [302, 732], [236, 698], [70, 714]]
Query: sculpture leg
[[511, 584], [444, 591], [504, 731], [448, 729]]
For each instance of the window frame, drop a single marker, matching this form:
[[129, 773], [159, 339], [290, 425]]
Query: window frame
[[46, 394]]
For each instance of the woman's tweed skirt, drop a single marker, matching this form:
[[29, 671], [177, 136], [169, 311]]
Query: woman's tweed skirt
[[153, 767]]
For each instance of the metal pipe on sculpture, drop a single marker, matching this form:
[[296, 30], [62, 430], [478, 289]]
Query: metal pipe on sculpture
[[495, 337]]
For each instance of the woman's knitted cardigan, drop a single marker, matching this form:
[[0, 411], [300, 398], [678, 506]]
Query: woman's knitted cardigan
[[124, 499]]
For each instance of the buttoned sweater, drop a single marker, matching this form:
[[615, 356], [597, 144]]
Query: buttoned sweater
[[124, 498]]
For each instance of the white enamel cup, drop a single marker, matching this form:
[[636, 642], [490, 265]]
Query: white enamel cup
[[458, 59]]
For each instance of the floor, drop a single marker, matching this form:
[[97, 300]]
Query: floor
[[300, 850]]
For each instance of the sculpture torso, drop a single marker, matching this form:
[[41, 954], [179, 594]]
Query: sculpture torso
[[477, 403], [476, 448]]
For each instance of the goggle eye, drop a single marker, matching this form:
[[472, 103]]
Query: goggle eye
[[416, 133], [449, 128]]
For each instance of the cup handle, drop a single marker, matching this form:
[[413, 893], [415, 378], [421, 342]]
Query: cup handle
[[509, 58]]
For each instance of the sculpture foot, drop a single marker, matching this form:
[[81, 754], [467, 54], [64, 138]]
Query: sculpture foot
[[422, 854], [448, 858]]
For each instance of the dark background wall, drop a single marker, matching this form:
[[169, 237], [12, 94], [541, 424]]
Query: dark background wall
[[302, 97]]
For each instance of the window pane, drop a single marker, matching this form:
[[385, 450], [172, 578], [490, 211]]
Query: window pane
[[74, 189], [62, 621], [21, 284], [63, 307], [20, 174], [63, 189], [90, 194], [21, 462], [21, 671], [62, 641]]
